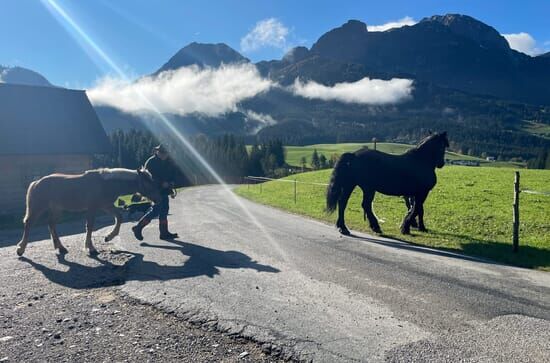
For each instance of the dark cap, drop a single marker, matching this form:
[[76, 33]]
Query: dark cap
[[161, 149]]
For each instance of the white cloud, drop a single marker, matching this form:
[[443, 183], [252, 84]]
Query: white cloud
[[267, 33], [186, 90], [392, 24], [260, 119], [524, 42], [364, 91]]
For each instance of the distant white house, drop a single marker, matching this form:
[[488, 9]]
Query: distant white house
[[490, 158]]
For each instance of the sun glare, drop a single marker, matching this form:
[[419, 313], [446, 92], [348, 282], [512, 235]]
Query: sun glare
[[85, 40]]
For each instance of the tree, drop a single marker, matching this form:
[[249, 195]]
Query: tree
[[303, 162], [315, 162], [322, 161], [332, 161], [541, 161]]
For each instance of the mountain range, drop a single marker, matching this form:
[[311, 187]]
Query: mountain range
[[466, 77]]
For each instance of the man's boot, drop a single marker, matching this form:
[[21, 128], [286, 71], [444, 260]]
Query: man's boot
[[164, 233], [139, 227]]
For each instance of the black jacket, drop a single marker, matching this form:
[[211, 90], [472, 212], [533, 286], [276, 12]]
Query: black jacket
[[162, 171]]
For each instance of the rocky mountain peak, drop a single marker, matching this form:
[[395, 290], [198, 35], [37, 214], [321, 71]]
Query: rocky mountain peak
[[203, 55], [471, 28]]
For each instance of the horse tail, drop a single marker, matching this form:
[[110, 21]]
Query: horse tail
[[335, 186], [29, 199]]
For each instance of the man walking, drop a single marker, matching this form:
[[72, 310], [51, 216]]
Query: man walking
[[163, 172]]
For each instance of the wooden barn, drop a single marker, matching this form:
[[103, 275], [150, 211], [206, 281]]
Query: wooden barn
[[44, 130]]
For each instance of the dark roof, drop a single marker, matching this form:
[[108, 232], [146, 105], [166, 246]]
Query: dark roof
[[46, 120]]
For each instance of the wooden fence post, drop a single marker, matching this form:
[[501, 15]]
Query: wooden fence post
[[261, 187], [515, 238]]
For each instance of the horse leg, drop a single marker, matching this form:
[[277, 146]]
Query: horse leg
[[368, 197], [413, 212], [118, 220], [30, 219], [409, 201], [90, 219], [421, 226], [53, 232], [342, 204]]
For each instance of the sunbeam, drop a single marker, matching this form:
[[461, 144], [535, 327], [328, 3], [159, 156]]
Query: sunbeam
[[60, 14]]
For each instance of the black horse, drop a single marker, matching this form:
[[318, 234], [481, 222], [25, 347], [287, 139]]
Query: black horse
[[411, 175]]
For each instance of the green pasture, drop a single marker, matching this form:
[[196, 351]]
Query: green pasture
[[469, 211], [294, 154]]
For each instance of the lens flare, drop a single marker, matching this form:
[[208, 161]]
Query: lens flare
[[83, 40]]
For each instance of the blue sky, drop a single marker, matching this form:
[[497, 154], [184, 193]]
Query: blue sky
[[140, 35]]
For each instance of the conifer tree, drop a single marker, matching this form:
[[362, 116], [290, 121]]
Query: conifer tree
[[315, 162]]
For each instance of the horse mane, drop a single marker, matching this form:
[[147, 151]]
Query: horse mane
[[427, 143]]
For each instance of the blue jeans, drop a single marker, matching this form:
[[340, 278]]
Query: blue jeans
[[158, 210]]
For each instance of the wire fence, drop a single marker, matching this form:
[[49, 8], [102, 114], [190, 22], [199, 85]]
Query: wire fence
[[515, 221], [264, 179], [261, 179], [535, 192]]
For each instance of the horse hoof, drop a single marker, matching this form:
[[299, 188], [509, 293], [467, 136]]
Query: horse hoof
[[93, 252], [63, 251], [108, 238], [377, 230], [344, 231], [20, 251], [423, 229], [406, 231]]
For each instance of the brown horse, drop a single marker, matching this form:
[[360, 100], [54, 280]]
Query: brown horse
[[90, 192]]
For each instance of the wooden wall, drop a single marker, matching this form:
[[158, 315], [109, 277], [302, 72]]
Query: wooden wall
[[18, 171]]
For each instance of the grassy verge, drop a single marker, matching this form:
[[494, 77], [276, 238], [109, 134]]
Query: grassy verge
[[469, 211]]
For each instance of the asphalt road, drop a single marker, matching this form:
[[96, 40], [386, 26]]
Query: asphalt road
[[298, 288]]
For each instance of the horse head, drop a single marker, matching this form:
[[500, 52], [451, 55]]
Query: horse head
[[147, 186], [433, 148], [442, 144]]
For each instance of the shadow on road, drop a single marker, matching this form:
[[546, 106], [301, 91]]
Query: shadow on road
[[79, 276], [476, 250], [409, 246], [203, 261]]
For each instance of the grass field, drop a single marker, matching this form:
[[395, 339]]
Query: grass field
[[295, 153], [470, 211]]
